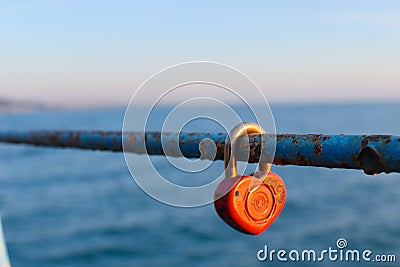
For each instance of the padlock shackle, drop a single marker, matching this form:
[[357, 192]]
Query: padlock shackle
[[246, 128]]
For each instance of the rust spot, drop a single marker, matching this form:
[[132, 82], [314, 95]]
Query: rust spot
[[54, 138], [220, 150], [345, 166], [284, 161], [316, 137], [279, 137], [302, 160], [364, 142], [256, 152], [317, 149], [295, 142], [374, 138], [326, 137], [115, 140], [369, 160]]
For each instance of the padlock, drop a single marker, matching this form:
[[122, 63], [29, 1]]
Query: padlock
[[249, 204]]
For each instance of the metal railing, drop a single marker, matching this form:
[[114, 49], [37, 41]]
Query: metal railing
[[372, 153]]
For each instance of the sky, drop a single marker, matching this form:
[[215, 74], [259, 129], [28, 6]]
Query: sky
[[92, 53]]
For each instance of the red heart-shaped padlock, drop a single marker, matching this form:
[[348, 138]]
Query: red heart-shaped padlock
[[250, 204], [247, 210]]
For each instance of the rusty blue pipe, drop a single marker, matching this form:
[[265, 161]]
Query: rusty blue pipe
[[371, 153]]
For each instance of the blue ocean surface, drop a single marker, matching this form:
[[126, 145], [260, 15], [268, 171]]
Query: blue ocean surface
[[71, 207]]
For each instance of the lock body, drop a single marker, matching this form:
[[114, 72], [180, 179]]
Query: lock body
[[250, 210]]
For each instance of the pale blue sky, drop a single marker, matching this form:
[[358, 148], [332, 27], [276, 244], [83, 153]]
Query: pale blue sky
[[99, 52]]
